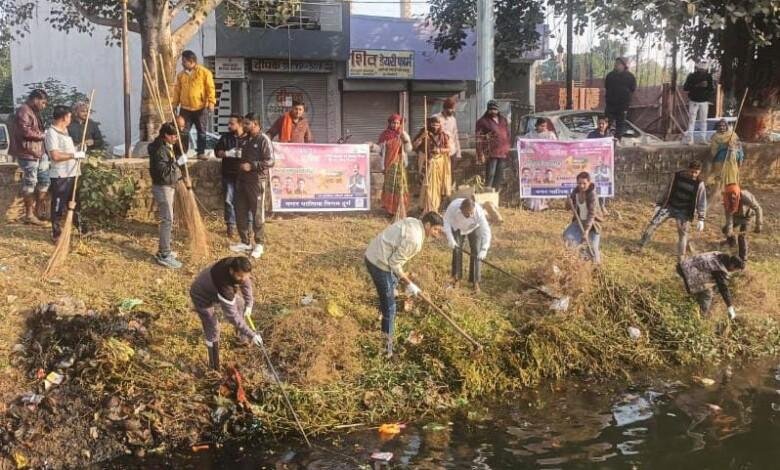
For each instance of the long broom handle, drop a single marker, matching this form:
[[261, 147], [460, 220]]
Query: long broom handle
[[173, 117], [582, 229], [739, 115], [516, 278], [441, 312], [83, 146]]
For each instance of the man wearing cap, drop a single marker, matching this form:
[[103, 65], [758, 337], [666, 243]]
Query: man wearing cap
[[492, 143], [620, 85], [450, 127], [701, 89]]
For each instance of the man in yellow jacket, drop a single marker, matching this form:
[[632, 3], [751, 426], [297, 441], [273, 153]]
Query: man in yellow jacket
[[195, 95]]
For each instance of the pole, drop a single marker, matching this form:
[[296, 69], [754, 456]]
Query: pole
[[126, 71], [485, 46], [570, 55], [672, 88]]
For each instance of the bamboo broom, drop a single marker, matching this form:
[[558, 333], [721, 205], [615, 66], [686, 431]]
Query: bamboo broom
[[62, 247], [185, 197]]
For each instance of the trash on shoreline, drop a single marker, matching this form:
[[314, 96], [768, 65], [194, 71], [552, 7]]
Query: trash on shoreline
[[390, 429], [634, 333], [704, 381]]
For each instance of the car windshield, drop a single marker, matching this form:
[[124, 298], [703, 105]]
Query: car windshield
[[580, 123]]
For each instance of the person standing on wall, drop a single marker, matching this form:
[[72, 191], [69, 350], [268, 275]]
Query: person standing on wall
[[27, 136], [493, 145], [701, 90], [76, 128], [449, 125], [64, 169], [195, 94], [620, 85], [227, 150], [292, 126], [256, 158]]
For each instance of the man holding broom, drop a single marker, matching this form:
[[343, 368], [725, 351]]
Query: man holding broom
[[466, 219], [586, 219], [385, 258], [64, 168], [227, 283], [256, 158], [165, 172]]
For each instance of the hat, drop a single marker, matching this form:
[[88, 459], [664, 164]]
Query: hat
[[492, 104]]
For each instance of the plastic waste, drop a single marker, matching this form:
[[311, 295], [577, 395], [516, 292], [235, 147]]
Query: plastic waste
[[52, 380], [634, 333], [307, 300], [382, 456], [391, 428], [127, 305], [706, 382]]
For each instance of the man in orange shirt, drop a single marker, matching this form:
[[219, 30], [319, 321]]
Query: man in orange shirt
[[292, 126], [195, 94]]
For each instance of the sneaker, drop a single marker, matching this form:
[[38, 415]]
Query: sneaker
[[240, 248], [168, 261], [257, 252]]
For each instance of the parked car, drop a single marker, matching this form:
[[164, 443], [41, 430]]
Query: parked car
[[575, 125], [5, 142], [118, 151]]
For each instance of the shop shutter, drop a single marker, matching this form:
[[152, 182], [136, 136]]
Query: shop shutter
[[365, 113], [312, 88]]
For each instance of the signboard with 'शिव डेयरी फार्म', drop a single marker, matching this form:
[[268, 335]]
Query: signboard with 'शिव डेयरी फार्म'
[[549, 168], [369, 63], [320, 178]]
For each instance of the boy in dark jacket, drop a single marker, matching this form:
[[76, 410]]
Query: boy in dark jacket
[[165, 172], [683, 199], [587, 216], [220, 284], [620, 85]]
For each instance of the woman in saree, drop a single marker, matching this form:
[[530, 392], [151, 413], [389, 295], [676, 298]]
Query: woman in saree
[[727, 155], [433, 157], [394, 145]]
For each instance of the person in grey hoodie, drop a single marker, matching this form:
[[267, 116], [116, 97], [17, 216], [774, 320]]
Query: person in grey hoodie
[[684, 199]]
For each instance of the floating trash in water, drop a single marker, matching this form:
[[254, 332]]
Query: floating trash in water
[[633, 408]]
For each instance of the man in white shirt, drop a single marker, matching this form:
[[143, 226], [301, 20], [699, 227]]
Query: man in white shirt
[[386, 256], [64, 168], [466, 219]]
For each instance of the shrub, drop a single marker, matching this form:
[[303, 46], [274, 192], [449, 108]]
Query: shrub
[[106, 196]]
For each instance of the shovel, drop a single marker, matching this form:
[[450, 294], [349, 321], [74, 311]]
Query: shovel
[[560, 304]]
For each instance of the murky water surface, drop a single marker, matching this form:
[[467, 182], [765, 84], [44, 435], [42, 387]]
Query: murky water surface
[[654, 424]]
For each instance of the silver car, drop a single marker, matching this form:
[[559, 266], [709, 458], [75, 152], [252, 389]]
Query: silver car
[[575, 125]]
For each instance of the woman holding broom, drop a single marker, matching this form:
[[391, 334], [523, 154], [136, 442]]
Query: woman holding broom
[[394, 146], [432, 147], [165, 173]]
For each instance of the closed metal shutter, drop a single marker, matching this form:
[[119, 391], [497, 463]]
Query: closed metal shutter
[[365, 114], [417, 108], [268, 98]]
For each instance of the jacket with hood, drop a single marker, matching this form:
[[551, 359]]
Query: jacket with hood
[[27, 134], [162, 164], [619, 88], [595, 215]]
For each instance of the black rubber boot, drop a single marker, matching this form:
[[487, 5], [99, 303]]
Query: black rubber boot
[[742, 244], [214, 355]]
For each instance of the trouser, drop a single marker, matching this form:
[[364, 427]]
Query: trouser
[[35, 175], [250, 203], [618, 119], [229, 190], [697, 121], [494, 172], [573, 238], [197, 118], [683, 229], [210, 321], [164, 196], [703, 298], [385, 283], [61, 190], [475, 245]]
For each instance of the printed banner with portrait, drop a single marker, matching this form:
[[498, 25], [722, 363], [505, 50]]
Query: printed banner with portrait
[[549, 168], [320, 178]]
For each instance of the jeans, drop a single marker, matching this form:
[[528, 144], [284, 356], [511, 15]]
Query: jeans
[[163, 196], [572, 236], [385, 282], [475, 245], [494, 172], [35, 175], [683, 221], [61, 190], [229, 188], [618, 119], [697, 121], [198, 118], [250, 208]]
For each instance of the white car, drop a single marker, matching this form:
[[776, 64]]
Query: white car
[[5, 143], [576, 124], [118, 151]]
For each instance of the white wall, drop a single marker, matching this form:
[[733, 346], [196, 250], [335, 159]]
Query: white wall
[[84, 61]]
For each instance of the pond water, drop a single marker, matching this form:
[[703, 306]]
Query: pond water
[[666, 423]]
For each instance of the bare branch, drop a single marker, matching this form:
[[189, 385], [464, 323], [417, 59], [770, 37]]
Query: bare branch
[[179, 7], [184, 33]]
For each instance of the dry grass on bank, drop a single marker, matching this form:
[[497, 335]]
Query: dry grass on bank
[[330, 352]]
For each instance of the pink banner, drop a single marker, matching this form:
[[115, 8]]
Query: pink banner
[[320, 178], [549, 168]]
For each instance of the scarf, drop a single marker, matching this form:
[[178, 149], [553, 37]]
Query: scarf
[[392, 140], [287, 127], [731, 196]]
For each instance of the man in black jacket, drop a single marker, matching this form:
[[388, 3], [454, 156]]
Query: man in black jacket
[[256, 158], [165, 172], [701, 90], [227, 150], [620, 85]]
